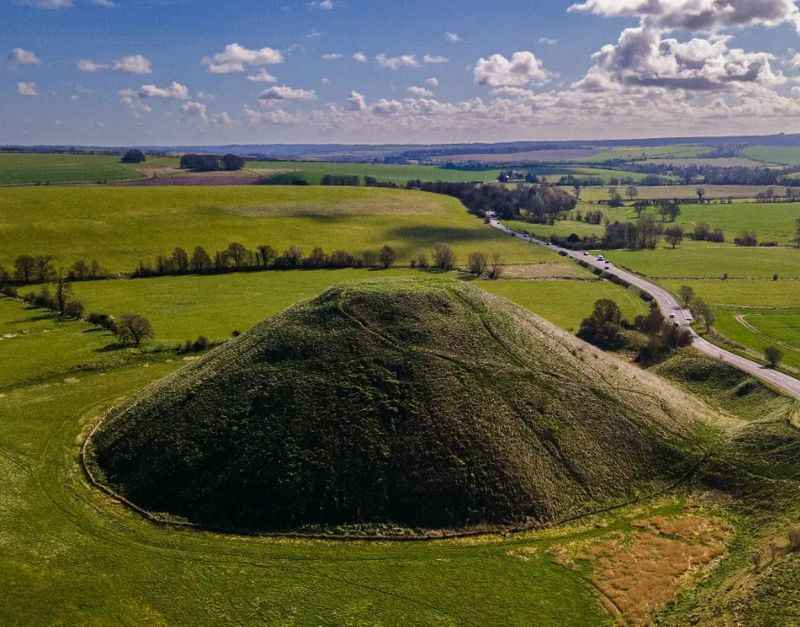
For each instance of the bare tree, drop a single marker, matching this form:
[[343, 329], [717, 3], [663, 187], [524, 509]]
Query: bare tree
[[387, 256], [477, 263], [443, 257]]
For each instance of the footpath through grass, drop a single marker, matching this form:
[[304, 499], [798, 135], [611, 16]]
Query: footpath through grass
[[122, 226]]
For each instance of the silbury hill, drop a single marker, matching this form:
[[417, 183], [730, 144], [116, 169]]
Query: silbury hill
[[425, 403]]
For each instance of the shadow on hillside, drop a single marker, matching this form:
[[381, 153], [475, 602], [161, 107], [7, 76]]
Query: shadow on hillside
[[448, 234]]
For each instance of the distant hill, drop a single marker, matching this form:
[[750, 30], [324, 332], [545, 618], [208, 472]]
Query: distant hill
[[425, 403], [404, 152]]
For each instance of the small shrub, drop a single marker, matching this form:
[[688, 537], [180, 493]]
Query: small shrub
[[773, 356], [200, 344], [73, 309]]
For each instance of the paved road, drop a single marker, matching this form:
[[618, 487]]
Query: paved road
[[672, 310]]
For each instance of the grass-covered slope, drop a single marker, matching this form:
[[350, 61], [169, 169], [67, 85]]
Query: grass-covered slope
[[421, 402]]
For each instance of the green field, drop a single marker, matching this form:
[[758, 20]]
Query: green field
[[313, 171], [35, 169], [122, 226], [565, 303], [784, 155], [182, 308], [703, 260], [637, 153], [667, 192]]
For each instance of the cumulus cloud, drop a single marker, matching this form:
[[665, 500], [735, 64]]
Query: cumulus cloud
[[131, 64], [324, 5], [234, 58], [194, 110], [432, 82], [420, 92], [176, 91], [524, 68], [356, 102], [20, 56], [284, 92], [262, 76], [434, 59], [27, 89], [395, 63], [331, 56], [453, 38], [360, 57], [643, 57], [50, 4], [131, 99], [697, 15]]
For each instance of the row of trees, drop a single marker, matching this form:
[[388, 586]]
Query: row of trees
[[237, 257], [41, 269], [539, 204], [211, 163]]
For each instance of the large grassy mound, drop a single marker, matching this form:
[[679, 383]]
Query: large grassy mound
[[421, 402]]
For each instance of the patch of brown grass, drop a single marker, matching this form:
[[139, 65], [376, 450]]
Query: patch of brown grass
[[545, 271], [639, 572]]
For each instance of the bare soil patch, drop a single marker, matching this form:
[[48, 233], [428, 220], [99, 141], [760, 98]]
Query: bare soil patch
[[545, 271]]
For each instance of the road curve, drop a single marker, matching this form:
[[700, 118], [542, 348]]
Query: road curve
[[672, 310]]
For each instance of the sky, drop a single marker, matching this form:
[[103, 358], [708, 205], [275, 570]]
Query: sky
[[167, 72]]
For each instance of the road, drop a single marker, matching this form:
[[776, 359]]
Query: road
[[672, 310]]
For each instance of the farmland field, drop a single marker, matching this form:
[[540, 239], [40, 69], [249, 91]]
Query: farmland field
[[32, 169], [785, 155], [703, 260], [122, 226], [680, 191], [313, 171], [684, 151]]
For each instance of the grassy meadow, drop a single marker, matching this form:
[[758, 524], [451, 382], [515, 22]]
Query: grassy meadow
[[638, 153], [122, 226], [313, 171], [784, 155], [46, 169], [700, 260]]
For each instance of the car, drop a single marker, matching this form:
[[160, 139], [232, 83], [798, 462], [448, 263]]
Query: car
[[606, 267], [600, 258], [585, 252]]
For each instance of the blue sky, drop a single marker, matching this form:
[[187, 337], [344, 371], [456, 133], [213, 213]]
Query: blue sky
[[175, 71]]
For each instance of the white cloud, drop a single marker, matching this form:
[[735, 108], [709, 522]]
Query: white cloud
[[360, 57], [420, 92], [132, 64], [331, 56], [175, 91], [284, 92], [356, 101], [697, 15], [548, 41], [325, 81], [432, 82], [324, 5], [87, 65], [20, 56], [453, 38], [262, 76], [27, 89], [50, 4], [642, 57], [198, 111], [105, 4], [131, 99], [234, 58], [434, 59], [395, 63], [521, 70]]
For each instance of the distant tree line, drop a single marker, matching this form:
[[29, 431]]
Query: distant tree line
[[41, 269], [718, 175], [238, 258], [211, 163], [537, 204]]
